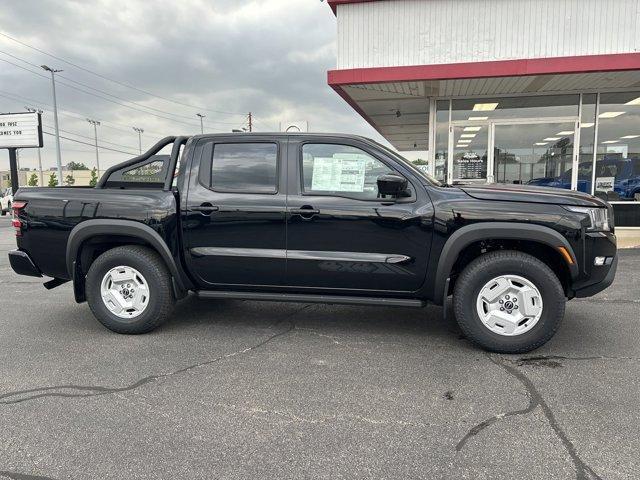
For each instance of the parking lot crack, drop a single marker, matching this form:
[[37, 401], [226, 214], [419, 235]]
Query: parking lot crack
[[80, 391], [583, 471], [22, 476]]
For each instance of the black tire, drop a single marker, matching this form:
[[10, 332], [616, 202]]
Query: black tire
[[3, 212], [152, 268], [508, 262]]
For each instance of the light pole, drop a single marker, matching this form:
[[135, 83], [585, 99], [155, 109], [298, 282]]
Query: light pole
[[55, 119], [41, 183], [201, 124], [95, 124], [140, 131]]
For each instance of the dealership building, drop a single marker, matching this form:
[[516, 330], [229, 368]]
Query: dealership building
[[545, 92]]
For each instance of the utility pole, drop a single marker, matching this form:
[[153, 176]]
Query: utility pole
[[41, 183], [250, 122], [201, 124], [140, 131], [95, 124], [55, 119]]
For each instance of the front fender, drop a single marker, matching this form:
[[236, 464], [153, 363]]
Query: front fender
[[469, 234]]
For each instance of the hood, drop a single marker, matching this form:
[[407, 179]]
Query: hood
[[532, 194]]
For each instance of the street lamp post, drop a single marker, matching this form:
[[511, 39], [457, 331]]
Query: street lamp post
[[55, 119], [201, 124], [41, 183], [95, 124], [140, 131]]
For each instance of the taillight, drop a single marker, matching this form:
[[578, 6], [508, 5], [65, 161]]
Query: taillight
[[17, 206]]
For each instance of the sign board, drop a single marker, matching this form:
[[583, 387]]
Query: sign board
[[605, 184], [20, 130], [470, 167]]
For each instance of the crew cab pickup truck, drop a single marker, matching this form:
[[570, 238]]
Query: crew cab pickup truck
[[315, 218]]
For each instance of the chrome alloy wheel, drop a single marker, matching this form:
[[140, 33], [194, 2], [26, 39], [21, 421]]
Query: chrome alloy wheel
[[124, 292], [509, 305]]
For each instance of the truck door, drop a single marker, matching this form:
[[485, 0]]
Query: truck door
[[235, 212], [340, 235]]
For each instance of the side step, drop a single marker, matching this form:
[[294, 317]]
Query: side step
[[308, 298]]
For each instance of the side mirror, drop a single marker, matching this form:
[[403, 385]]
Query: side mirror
[[392, 184]]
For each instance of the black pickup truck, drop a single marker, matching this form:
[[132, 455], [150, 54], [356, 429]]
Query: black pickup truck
[[315, 218]]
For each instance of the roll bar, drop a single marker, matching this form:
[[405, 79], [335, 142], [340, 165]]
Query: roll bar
[[175, 151]]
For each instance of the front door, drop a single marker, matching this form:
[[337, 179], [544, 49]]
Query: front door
[[234, 221], [340, 234]]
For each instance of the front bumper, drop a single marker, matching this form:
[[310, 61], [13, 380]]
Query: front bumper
[[592, 289], [22, 264]]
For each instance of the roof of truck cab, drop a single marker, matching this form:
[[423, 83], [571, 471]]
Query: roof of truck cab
[[283, 134]]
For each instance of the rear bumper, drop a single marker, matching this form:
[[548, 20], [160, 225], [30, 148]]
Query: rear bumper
[[22, 264], [592, 289]]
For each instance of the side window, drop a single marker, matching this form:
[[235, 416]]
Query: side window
[[244, 167], [340, 170], [149, 172]]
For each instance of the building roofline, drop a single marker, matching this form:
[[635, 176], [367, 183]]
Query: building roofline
[[334, 3], [501, 68]]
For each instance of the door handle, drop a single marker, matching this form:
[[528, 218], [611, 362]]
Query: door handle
[[306, 212], [205, 208]]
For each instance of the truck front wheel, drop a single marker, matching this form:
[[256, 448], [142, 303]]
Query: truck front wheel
[[129, 290], [508, 302]]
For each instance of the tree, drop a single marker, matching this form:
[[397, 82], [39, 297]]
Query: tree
[[76, 166], [94, 177], [33, 180], [69, 180], [53, 180]]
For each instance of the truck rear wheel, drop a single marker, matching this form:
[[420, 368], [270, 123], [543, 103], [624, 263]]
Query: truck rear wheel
[[508, 302], [129, 290]]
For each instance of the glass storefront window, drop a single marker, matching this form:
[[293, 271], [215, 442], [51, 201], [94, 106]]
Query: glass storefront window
[[534, 153], [442, 140], [487, 109], [617, 170]]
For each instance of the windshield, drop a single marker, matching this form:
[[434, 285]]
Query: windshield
[[414, 169]]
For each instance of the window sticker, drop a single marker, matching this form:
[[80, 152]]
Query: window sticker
[[343, 172]]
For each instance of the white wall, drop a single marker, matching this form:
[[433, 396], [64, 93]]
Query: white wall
[[423, 32]]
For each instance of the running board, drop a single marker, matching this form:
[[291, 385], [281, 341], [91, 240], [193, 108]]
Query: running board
[[308, 298]]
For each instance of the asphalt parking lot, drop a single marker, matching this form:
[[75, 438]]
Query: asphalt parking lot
[[232, 389]]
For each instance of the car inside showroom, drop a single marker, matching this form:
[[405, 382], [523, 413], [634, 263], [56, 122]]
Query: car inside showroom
[[546, 95]]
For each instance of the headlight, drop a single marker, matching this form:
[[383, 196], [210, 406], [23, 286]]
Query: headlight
[[599, 217]]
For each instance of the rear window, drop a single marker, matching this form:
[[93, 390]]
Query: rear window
[[244, 167]]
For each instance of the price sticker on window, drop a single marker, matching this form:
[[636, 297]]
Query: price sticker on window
[[338, 174]]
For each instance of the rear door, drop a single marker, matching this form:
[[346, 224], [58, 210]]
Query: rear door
[[340, 234], [234, 224]]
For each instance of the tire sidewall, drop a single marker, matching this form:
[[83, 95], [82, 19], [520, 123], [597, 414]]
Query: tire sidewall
[[534, 271], [97, 272]]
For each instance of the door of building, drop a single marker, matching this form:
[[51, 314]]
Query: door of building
[[515, 151], [469, 153]]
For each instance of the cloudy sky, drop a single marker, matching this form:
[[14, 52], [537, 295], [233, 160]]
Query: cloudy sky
[[222, 58]]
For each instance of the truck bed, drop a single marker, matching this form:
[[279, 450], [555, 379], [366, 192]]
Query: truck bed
[[51, 214]]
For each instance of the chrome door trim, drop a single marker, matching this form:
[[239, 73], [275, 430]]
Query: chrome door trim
[[390, 258]]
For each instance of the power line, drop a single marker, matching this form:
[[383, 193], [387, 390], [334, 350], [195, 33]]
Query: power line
[[90, 144], [68, 113], [116, 81], [102, 97]]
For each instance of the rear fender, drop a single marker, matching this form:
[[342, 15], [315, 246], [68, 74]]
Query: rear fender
[[127, 228]]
